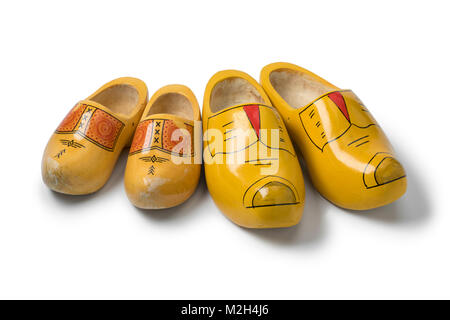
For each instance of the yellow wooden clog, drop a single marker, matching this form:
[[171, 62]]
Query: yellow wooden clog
[[251, 168], [82, 152], [349, 158], [162, 169]]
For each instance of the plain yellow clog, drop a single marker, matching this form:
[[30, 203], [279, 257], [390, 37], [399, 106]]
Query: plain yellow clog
[[349, 158], [163, 169], [251, 168], [82, 152]]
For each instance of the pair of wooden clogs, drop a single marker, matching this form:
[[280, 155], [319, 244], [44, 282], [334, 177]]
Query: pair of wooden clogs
[[82, 152], [251, 167]]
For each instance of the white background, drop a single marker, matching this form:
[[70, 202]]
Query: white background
[[393, 54]]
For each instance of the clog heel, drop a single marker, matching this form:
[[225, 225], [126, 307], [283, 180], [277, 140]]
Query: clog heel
[[349, 158], [82, 152], [251, 168], [162, 169]]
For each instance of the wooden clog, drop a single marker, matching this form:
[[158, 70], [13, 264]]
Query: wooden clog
[[254, 178], [349, 158], [162, 170], [82, 152]]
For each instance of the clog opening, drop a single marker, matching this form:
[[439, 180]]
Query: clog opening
[[233, 91], [119, 98], [297, 88], [173, 103]]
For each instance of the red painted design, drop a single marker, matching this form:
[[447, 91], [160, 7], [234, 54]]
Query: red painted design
[[252, 112], [103, 128], [169, 128], [170, 140], [70, 121], [158, 134], [96, 125], [338, 99], [143, 136]]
